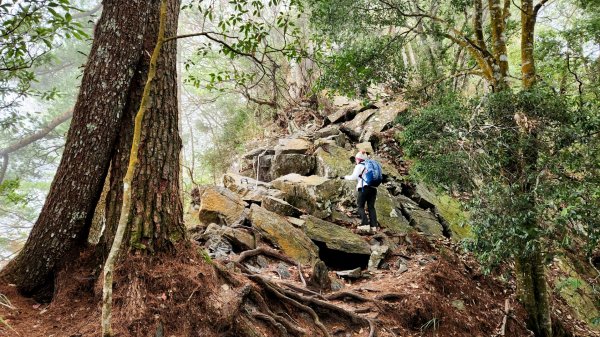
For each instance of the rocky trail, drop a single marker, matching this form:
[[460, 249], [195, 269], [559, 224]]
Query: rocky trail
[[276, 252]]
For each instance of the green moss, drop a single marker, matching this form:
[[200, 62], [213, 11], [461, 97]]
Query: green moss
[[204, 255], [578, 294], [457, 219]]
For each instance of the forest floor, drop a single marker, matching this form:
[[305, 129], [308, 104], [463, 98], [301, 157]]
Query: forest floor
[[441, 293]]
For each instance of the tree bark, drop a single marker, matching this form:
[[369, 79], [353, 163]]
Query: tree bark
[[533, 293], [156, 216], [63, 225]]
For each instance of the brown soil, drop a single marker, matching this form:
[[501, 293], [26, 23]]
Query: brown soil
[[184, 295], [442, 293]]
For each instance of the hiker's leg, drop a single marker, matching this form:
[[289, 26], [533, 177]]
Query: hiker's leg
[[361, 199], [371, 197]]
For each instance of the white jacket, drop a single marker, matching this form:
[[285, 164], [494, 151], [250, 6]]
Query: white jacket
[[358, 170]]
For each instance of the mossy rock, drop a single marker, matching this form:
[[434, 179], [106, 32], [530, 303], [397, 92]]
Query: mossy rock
[[578, 294], [333, 161], [313, 193], [389, 214], [221, 206], [278, 230], [336, 237]]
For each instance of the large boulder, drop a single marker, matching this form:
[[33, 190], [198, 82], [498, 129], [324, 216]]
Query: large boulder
[[424, 221], [250, 189], [280, 207], [328, 131], [294, 145], [221, 206], [283, 164], [258, 151], [365, 147], [344, 109], [240, 239], [313, 193], [382, 119], [389, 214], [356, 126], [333, 161], [336, 237], [291, 240]]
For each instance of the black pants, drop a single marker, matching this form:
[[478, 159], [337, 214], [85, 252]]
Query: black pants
[[367, 195]]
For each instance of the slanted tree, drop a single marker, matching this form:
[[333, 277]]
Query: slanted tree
[[100, 134]]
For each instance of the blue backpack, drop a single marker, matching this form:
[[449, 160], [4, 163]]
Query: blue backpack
[[372, 175]]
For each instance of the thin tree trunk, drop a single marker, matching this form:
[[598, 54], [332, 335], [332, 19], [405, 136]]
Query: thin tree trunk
[[533, 293], [63, 225]]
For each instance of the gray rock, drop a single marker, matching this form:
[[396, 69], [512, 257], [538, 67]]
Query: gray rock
[[382, 119], [333, 161], [261, 150], [336, 285], [336, 237], [283, 164], [313, 193], [249, 189], [280, 207], [262, 261], [283, 271], [320, 277], [344, 109], [388, 214], [353, 274], [295, 221], [330, 130], [296, 145], [424, 221], [357, 125], [291, 240], [366, 147], [239, 238], [377, 254]]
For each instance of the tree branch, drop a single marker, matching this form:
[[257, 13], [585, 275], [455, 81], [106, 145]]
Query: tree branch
[[38, 134]]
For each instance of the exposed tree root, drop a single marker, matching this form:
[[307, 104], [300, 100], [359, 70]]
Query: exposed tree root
[[342, 295], [265, 251], [275, 290], [254, 305]]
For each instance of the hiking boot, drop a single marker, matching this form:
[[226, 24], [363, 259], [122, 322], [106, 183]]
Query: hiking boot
[[375, 229], [366, 229]]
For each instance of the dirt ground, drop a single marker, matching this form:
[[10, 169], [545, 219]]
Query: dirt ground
[[441, 293]]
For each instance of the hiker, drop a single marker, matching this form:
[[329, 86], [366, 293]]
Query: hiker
[[368, 180]]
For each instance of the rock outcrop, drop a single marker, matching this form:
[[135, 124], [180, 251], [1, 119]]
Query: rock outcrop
[[300, 203]]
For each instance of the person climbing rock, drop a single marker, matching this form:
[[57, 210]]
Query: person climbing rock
[[366, 189]]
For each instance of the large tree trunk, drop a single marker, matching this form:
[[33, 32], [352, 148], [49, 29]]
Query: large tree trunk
[[63, 224], [156, 215]]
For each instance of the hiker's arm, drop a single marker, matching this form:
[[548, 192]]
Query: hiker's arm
[[355, 174]]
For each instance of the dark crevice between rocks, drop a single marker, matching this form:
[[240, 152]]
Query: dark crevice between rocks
[[352, 135], [445, 225], [338, 260]]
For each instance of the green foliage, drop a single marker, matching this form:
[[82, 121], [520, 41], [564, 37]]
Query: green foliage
[[253, 36], [28, 32], [363, 63], [9, 192], [228, 142], [569, 282], [528, 161], [436, 129]]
